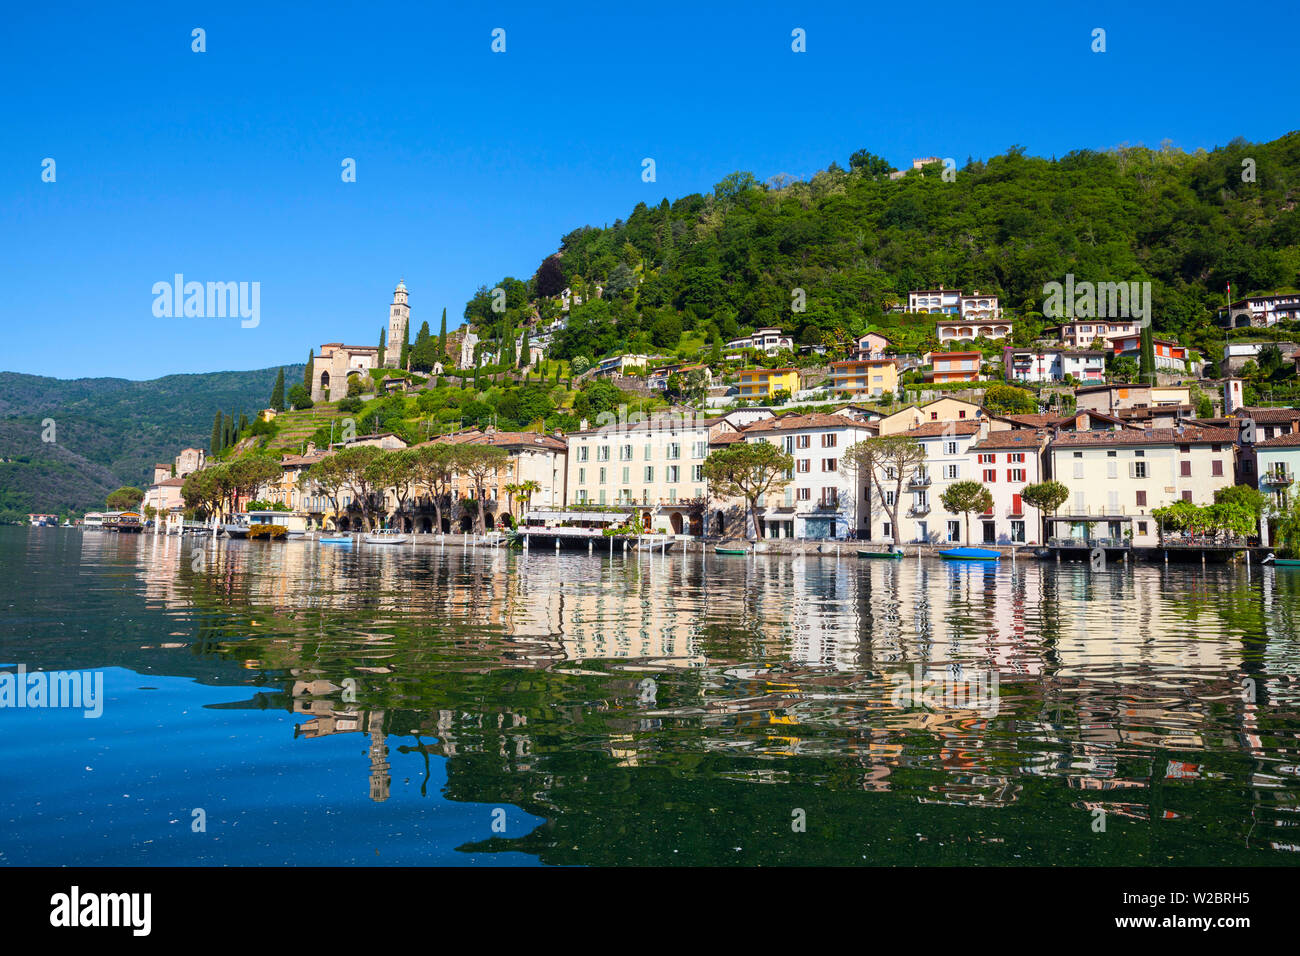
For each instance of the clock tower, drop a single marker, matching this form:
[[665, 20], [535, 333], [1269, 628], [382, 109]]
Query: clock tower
[[399, 322]]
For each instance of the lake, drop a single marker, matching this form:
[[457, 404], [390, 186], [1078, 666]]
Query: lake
[[299, 703]]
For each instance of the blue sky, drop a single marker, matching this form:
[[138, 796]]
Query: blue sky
[[225, 165]]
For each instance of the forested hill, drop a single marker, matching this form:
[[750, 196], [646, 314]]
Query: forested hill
[[856, 241], [109, 431]]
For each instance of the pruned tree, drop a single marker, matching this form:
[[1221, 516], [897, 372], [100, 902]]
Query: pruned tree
[[435, 467], [749, 470], [886, 459], [480, 464], [1046, 496], [966, 497]]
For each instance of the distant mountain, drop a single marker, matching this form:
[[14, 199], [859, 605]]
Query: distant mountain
[[109, 431]]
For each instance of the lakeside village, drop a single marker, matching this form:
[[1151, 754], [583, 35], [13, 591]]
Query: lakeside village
[[1097, 435]]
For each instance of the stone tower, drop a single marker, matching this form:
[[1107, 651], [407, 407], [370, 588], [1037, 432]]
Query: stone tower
[[399, 321]]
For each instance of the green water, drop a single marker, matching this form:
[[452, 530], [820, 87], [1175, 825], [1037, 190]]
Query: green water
[[427, 705]]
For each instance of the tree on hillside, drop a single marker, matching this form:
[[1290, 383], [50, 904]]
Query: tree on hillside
[[300, 397], [1046, 496], [328, 477], [125, 498], [383, 343], [277, 392], [869, 163], [214, 444], [249, 473], [442, 337], [887, 460], [1009, 400], [205, 489], [480, 463], [748, 470], [966, 498], [306, 373]]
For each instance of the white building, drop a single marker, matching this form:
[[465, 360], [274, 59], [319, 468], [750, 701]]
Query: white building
[[1053, 365], [821, 501], [1005, 462], [1262, 310], [948, 460], [768, 340], [943, 301]]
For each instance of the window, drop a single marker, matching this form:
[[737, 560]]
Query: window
[[602, 496], [990, 476], [829, 440], [803, 494], [803, 465], [1185, 469], [1078, 467], [950, 472], [626, 476], [697, 474], [1216, 467], [674, 474], [803, 441], [1137, 469], [889, 499], [830, 464], [1017, 458], [987, 459], [649, 473], [1015, 474], [583, 452], [602, 476], [700, 450], [961, 413], [1187, 496], [674, 451], [1112, 468], [1141, 498], [954, 530], [950, 448], [1142, 527], [582, 474]]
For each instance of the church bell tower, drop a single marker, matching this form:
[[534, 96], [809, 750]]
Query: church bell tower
[[399, 321]]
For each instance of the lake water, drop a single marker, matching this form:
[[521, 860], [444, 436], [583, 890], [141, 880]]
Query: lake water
[[272, 703]]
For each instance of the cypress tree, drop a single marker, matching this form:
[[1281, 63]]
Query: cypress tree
[[277, 392], [230, 428], [306, 373], [1147, 357], [243, 423], [214, 445], [383, 338], [442, 336], [525, 350]]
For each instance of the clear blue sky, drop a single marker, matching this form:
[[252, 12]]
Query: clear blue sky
[[225, 165]]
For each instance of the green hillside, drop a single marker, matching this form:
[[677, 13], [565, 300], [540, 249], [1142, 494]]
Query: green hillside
[[109, 431], [715, 266]]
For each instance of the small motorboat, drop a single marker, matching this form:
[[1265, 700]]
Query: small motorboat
[[971, 554], [890, 555], [386, 537], [1281, 562], [737, 551], [336, 539]]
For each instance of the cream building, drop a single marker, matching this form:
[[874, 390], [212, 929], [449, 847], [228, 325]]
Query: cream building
[[336, 364], [656, 464], [1117, 477], [948, 459]]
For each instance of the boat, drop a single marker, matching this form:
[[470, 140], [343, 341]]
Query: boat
[[1281, 562], [740, 551], [971, 554], [336, 539], [386, 537], [885, 555], [237, 528]]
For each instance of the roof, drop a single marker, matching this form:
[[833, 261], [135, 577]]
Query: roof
[[939, 429], [503, 440], [668, 423], [290, 460], [1269, 416], [727, 438], [1037, 420], [882, 360], [1289, 440], [1016, 438], [169, 483], [787, 423], [771, 371], [1149, 436]]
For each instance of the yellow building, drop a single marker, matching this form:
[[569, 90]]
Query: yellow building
[[766, 382], [872, 377]]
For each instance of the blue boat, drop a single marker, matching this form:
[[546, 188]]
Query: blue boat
[[340, 540], [970, 554]]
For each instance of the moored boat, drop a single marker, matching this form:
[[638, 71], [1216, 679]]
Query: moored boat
[[883, 555], [1281, 562], [737, 551], [335, 539], [386, 537], [971, 554]]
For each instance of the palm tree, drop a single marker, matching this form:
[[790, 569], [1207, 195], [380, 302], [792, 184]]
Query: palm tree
[[527, 489], [511, 490]]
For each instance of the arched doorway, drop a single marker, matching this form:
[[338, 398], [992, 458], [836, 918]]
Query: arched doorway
[[720, 523], [676, 522], [342, 524], [426, 525], [697, 525], [488, 522], [466, 524], [324, 381]]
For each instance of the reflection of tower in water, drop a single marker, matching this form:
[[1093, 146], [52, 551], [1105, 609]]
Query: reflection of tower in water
[[380, 781]]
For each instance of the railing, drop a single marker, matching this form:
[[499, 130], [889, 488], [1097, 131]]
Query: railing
[[918, 510], [919, 481], [1088, 543], [1277, 476]]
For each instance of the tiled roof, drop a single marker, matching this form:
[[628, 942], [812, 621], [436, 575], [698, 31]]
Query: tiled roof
[[1149, 436], [794, 422], [937, 429], [1269, 416], [1016, 438], [1289, 440], [727, 438]]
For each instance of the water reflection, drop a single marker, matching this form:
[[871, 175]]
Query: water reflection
[[636, 704]]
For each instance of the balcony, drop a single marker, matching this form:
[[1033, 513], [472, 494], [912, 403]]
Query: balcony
[[917, 511], [919, 481], [1276, 476]]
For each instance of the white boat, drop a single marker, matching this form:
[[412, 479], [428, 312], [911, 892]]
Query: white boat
[[386, 537], [93, 521]]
